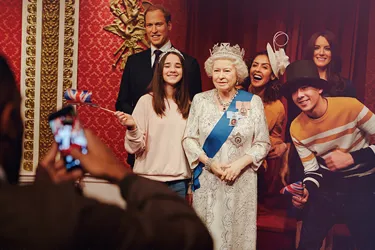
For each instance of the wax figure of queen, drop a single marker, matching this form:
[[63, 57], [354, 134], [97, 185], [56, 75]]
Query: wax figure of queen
[[226, 139]]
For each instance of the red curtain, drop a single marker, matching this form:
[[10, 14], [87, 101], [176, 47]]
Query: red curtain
[[252, 24]]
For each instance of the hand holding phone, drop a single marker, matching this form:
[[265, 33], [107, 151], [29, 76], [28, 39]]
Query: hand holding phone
[[68, 134], [100, 161], [56, 169]]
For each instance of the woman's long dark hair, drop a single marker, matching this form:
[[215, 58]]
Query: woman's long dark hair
[[334, 67], [272, 88], [157, 88]]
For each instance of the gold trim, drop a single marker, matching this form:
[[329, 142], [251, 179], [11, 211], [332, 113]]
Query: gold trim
[[69, 22], [49, 71], [30, 85], [129, 25]]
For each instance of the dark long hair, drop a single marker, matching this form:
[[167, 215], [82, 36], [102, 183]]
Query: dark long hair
[[272, 88], [157, 89], [11, 137], [334, 67]]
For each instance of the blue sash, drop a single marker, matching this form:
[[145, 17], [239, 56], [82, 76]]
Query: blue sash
[[219, 135]]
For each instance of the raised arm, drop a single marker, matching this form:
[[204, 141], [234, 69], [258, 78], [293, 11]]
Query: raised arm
[[313, 177], [135, 138], [145, 224], [87, 224]]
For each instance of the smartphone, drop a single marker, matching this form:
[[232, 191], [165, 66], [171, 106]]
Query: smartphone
[[68, 134]]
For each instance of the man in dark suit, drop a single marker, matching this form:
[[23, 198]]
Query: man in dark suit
[[50, 214], [138, 71]]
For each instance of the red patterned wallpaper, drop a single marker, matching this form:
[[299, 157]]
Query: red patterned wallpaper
[[95, 57], [10, 33]]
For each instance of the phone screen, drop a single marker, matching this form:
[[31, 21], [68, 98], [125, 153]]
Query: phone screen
[[68, 134]]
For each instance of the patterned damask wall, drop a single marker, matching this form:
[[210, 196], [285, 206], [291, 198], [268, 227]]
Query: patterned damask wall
[[95, 73], [10, 33]]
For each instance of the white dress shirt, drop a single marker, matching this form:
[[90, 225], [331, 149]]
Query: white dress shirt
[[164, 48]]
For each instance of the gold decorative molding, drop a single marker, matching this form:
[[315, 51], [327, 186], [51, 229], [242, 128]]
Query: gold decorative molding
[[49, 66], [129, 25], [49, 71], [30, 85], [69, 22]]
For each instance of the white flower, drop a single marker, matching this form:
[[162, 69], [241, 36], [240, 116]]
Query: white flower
[[282, 61]]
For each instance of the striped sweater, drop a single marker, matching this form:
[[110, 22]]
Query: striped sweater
[[348, 126]]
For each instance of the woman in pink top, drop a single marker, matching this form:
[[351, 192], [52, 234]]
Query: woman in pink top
[[156, 127]]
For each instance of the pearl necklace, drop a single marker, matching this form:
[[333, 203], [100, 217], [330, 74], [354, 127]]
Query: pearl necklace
[[225, 104]]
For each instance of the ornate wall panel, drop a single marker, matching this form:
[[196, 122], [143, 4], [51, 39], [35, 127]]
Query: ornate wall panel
[[68, 47], [30, 81], [49, 71], [48, 67]]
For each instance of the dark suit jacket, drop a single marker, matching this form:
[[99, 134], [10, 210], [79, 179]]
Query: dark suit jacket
[[138, 75], [47, 216]]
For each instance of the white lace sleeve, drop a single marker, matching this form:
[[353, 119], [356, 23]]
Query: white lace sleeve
[[190, 142], [259, 147]]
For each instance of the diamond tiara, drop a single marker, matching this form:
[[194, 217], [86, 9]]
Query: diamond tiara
[[171, 49], [225, 49]]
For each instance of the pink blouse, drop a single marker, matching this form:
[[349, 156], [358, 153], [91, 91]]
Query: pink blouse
[[156, 142]]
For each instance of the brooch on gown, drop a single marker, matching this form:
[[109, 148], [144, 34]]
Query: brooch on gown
[[237, 139], [243, 108], [233, 118]]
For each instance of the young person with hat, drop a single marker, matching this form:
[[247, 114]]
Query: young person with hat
[[334, 139]]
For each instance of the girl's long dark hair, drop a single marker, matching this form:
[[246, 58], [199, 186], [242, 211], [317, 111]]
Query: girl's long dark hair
[[272, 88], [157, 89], [334, 67]]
